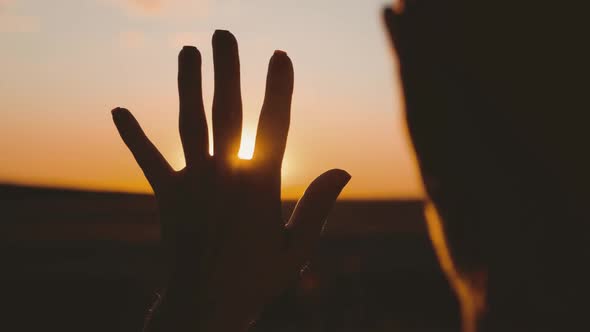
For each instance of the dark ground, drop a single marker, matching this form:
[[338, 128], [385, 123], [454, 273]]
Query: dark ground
[[83, 261]]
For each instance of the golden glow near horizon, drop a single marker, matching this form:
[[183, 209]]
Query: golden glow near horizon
[[66, 63]]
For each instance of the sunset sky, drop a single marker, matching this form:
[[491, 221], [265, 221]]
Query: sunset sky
[[64, 64]]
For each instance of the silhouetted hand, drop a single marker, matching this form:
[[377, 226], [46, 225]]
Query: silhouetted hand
[[228, 248]]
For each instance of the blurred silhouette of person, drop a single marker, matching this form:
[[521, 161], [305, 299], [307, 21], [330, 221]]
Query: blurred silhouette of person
[[228, 250], [496, 117]]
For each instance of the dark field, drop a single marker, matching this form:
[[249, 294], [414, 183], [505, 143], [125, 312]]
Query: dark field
[[83, 261]]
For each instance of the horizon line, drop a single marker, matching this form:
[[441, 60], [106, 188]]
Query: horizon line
[[80, 189]]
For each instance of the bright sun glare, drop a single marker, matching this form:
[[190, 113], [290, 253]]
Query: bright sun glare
[[247, 146]]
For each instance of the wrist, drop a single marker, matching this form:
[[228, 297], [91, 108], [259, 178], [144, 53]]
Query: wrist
[[184, 308], [227, 320], [173, 311]]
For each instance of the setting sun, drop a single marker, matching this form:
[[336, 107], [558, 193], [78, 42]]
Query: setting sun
[[247, 145]]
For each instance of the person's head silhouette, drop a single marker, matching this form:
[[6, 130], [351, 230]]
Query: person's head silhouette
[[494, 114]]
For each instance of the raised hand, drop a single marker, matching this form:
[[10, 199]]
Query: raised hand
[[228, 248]]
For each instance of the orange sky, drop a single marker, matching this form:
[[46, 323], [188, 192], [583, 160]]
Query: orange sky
[[65, 64]]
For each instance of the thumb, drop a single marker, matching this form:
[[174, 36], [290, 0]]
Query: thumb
[[308, 218]]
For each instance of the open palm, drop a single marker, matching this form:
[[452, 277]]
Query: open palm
[[228, 248]]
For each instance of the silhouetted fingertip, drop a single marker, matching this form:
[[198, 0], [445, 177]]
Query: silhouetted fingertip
[[122, 115], [189, 48], [117, 112], [334, 177], [119, 119], [281, 58], [280, 64], [221, 32], [341, 176], [223, 36], [189, 51], [225, 46], [189, 62], [115, 115]]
